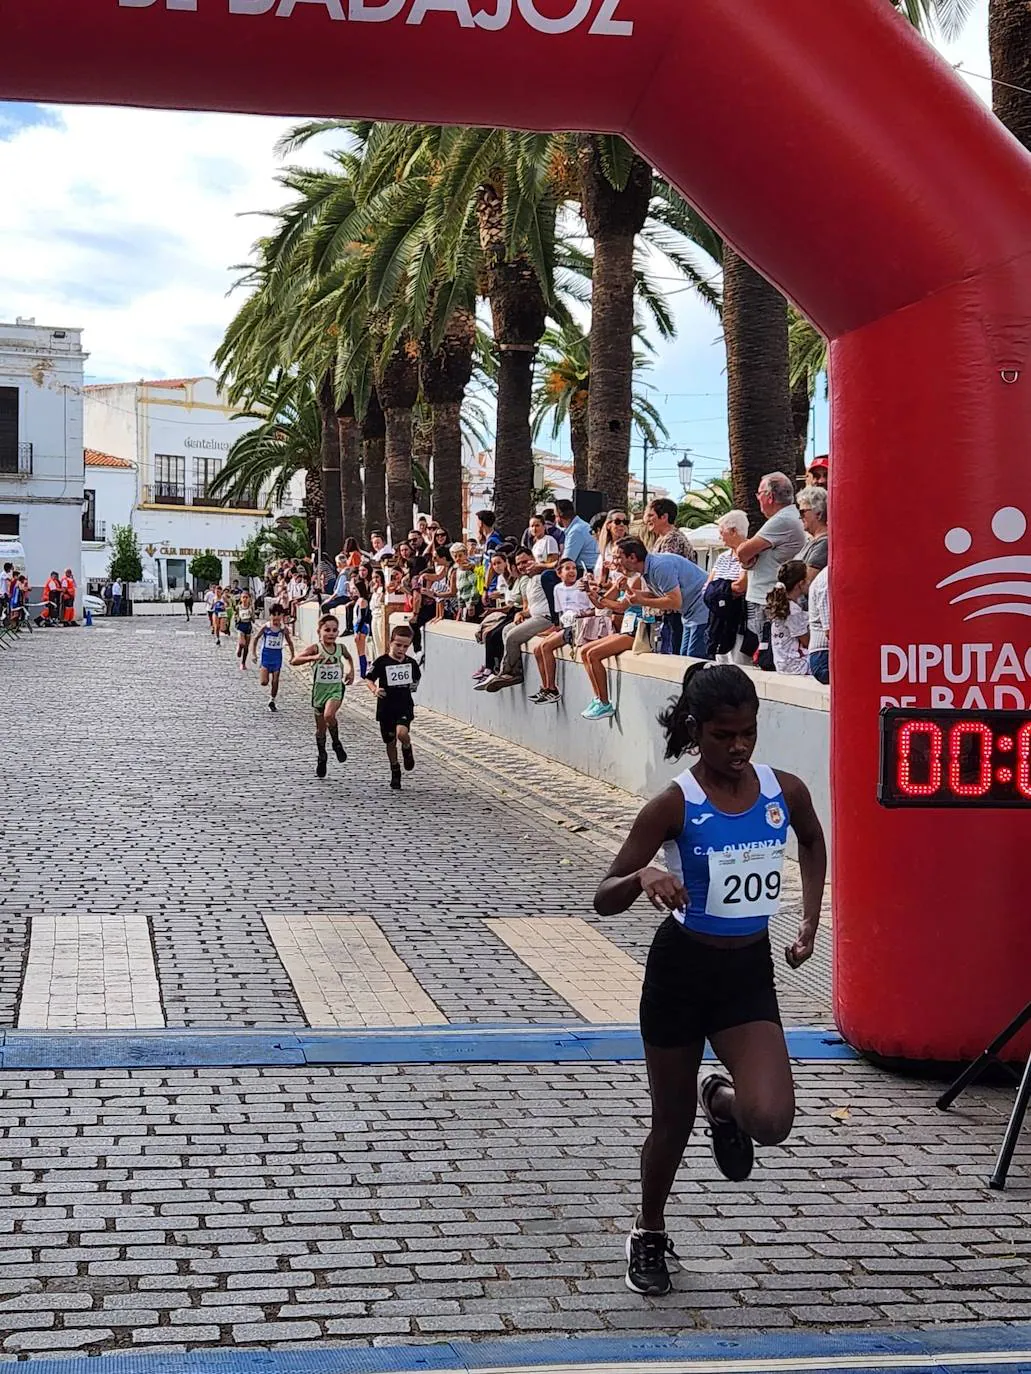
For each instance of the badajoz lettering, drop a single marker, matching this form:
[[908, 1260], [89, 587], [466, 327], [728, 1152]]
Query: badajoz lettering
[[599, 17]]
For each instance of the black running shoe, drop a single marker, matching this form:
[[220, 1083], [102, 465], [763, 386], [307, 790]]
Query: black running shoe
[[340, 751], [271, 705], [646, 1271], [395, 778], [409, 758], [323, 763], [731, 1148]]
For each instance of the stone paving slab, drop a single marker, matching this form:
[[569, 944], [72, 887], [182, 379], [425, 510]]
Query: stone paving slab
[[205, 1208], [168, 760]]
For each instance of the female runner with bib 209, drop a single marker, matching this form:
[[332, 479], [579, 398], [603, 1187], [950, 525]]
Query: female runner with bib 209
[[723, 825]]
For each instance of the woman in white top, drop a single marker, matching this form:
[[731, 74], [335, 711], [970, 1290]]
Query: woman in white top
[[733, 530], [789, 624], [616, 527]]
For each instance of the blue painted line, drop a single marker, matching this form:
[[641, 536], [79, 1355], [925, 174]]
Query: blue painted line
[[947, 1345], [504, 1044]]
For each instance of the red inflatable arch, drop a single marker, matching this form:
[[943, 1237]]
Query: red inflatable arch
[[842, 158]]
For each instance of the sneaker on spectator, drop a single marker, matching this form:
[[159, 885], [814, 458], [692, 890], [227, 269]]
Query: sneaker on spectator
[[599, 710], [503, 680], [589, 713], [484, 683], [480, 674], [547, 696]]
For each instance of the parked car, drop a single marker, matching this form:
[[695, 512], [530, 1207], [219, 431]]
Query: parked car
[[93, 604]]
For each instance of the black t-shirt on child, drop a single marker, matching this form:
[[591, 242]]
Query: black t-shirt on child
[[400, 677]]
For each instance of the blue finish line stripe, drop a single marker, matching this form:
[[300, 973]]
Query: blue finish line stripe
[[512, 1044], [961, 1350]]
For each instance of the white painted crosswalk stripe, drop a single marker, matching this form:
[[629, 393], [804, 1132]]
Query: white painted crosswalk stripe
[[90, 972]]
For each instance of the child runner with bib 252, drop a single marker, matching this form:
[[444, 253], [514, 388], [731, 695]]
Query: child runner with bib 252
[[723, 825], [332, 671], [269, 643]]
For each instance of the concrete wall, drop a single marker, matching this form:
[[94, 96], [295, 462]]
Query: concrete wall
[[627, 750]]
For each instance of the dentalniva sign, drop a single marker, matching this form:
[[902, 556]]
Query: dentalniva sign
[[597, 16]]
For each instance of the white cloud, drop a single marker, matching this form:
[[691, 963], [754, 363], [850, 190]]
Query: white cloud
[[128, 223]]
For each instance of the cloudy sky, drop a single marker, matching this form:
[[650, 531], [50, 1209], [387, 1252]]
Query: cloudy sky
[[128, 223]]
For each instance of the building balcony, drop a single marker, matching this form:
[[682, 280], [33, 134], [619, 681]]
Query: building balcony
[[177, 496], [95, 533], [16, 460]]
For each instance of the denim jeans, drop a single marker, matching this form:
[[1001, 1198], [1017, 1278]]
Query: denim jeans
[[694, 641], [820, 665]]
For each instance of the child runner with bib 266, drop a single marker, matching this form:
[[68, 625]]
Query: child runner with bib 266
[[269, 643], [392, 679], [329, 678], [723, 825]]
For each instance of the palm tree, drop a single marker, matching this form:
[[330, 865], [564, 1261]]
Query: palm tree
[[708, 506], [350, 467], [397, 384], [288, 539], [807, 361], [285, 442], [563, 390], [616, 195], [445, 372], [374, 468]]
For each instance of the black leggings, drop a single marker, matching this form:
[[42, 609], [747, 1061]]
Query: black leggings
[[494, 644], [426, 612]]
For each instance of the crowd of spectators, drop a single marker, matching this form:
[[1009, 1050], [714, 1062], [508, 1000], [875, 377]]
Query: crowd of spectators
[[601, 589]]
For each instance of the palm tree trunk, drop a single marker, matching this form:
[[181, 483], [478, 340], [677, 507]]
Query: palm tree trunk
[[374, 430], [513, 454], [314, 506], [447, 466], [801, 403], [333, 525], [579, 435], [1009, 46], [755, 331], [399, 471], [350, 470], [610, 402]]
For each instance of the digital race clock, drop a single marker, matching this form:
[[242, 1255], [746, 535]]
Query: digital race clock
[[955, 758]]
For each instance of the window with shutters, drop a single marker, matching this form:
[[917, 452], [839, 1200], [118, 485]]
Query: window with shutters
[[8, 429]]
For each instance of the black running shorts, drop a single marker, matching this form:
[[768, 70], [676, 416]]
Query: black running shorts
[[388, 727], [693, 990]]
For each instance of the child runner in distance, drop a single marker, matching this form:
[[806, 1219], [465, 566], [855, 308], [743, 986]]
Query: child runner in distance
[[392, 679], [789, 623], [723, 825], [219, 614], [269, 642], [209, 602], [244, 627], [329, 679]]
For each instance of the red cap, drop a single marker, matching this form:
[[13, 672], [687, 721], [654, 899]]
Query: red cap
[[822, 462]]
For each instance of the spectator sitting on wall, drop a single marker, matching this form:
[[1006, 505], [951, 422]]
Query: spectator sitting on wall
[[812, 503], [533, 618], [617, 598], [572, 605], [341, 587], [777, 541], [467, 592], [503, 598], [676, 584], [579, 544]]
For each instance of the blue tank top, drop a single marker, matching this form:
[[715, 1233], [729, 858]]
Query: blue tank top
[[731, 866]]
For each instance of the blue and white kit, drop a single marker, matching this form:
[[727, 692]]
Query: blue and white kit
[[731, 866], [271, 649]]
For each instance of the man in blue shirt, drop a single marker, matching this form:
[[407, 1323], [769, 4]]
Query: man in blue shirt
[[580, 544], [489, 537], [677, 585]]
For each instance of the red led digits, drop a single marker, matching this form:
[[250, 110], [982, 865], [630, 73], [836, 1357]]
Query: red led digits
[[1023, 777], [981, 738], [927, 730]]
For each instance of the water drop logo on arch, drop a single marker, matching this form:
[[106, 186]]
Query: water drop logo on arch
[[990, 588]]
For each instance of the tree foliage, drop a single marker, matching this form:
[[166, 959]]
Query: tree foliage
[[126, 555], [206, 567]]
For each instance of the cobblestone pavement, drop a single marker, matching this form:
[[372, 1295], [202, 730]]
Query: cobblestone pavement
[[162, 1210], [173, 1209], [159, 792]]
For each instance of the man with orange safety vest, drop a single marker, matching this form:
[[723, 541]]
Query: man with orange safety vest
[[51, 608], [68, 590]]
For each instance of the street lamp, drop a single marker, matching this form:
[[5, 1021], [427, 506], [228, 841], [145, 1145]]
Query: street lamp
[[686, 469]]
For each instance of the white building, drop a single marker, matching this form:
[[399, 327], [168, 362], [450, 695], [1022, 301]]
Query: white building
[[110, 499], [548, 471], [175, 435], [41, 463]]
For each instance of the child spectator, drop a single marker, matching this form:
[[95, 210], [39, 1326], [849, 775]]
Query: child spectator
[[789, 624]]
